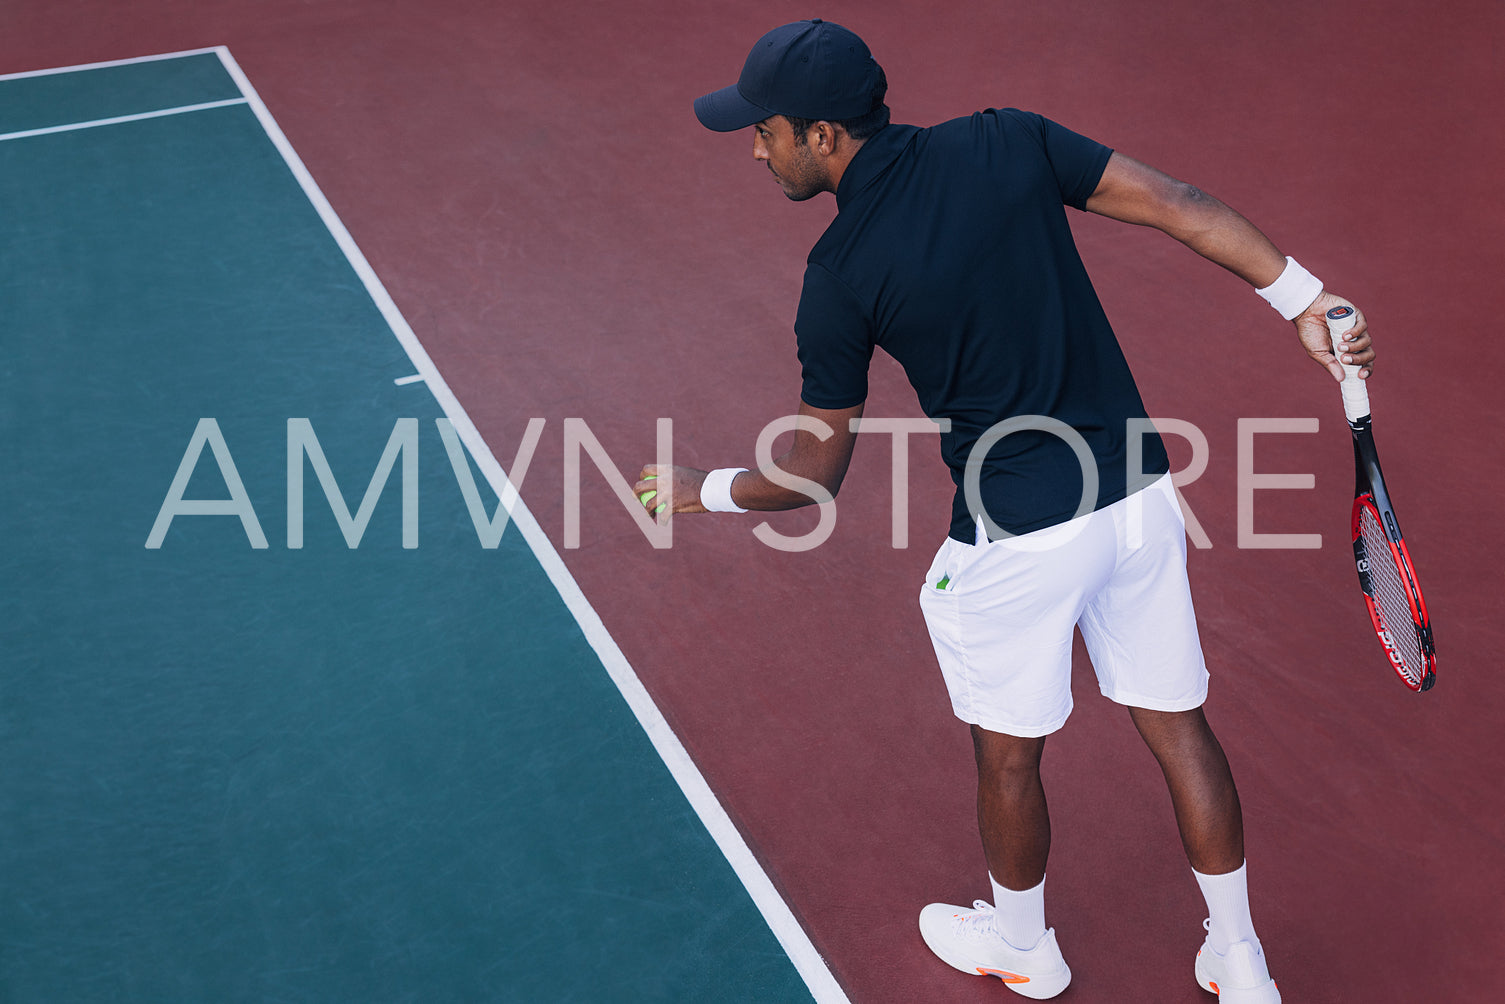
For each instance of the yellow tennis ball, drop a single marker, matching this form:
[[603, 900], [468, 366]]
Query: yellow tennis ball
[[647, 496]]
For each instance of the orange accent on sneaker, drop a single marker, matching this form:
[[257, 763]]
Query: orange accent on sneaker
[[1214, 986], [1004, 975]]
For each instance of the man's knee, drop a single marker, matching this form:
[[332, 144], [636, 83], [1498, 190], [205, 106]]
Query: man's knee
[[1006, 758]]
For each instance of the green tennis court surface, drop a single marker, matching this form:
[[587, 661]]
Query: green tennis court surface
[[317, 773]]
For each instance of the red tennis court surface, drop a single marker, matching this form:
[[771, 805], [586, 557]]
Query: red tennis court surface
[[531, 185]]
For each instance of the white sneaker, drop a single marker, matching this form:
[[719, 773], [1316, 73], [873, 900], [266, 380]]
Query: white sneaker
[[965, 939], [1238, 977]]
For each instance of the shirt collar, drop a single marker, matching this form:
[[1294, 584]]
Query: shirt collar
[[876, 154]]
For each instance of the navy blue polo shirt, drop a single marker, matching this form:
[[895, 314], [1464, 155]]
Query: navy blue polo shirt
[[951, 251]]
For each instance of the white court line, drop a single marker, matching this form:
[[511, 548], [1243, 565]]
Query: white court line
[[404, 381], [137, 117], [796, 943], [79, 67]]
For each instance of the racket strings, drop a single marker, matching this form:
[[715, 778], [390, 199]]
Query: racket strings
[[1390, 594]]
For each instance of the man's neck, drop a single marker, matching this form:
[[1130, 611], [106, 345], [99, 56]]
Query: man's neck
[[841, 159]]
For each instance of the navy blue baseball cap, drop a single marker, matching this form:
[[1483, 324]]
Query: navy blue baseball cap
[[809, 69]]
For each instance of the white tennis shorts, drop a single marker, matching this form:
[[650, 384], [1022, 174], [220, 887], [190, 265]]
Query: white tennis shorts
[[1001, 615]]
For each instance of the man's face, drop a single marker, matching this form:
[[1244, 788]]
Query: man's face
[[793, 163]]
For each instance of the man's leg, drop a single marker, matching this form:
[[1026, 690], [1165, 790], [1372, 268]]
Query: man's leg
[[1002, 615], [1008, 940], [1201, 785], [1015, 826], [1231, 962], [1140, 629], [1011, 812]]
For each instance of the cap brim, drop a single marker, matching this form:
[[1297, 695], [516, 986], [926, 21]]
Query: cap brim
[[727, 110]]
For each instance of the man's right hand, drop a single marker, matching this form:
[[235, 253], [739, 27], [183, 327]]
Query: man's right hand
[[1311, 328]]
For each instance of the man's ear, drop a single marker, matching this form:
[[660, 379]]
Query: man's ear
[[826, 138]]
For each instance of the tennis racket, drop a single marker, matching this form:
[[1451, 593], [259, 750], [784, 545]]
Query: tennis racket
[[1391, 592]]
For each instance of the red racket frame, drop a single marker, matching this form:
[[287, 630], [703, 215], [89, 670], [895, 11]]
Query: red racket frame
[[1420, 623]]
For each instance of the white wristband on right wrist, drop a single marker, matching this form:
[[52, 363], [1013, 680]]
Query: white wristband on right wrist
[[716, 490], [1293, 292]]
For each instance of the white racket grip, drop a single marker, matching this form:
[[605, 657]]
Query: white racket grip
[[1355, 394]]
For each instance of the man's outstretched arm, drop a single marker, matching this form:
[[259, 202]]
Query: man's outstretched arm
[[1137, 193], [821, 460]]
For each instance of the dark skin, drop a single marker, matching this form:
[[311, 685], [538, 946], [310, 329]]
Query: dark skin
[[1015, 823], [807, 164], [1011, 808]]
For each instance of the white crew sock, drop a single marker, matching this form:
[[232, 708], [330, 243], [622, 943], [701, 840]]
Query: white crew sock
[[1228, 905], [1019, 917]]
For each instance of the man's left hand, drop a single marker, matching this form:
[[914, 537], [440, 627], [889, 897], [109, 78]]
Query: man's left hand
[[676, 489]]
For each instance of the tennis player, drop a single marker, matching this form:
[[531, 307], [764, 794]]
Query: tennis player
[[951, 251]]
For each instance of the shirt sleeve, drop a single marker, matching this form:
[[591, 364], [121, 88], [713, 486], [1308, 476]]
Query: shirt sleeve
[[835, 340], [1076, 161]]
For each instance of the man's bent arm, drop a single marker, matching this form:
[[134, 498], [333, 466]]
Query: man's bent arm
[[1137, 193], [811, 457]]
